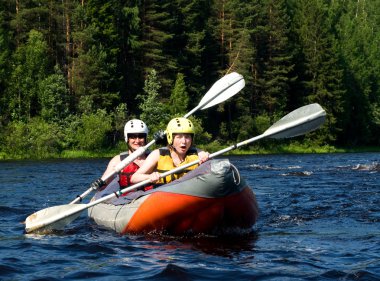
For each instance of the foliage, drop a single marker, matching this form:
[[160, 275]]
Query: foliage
[[358, 46], [35, 139], [70, 126], [93, 79], [93, 129], [53, 96], [30, 68], [323, 76], [201, 136], [4, 55], [153, 112], [118, 117], [179, 98], [61, 61]]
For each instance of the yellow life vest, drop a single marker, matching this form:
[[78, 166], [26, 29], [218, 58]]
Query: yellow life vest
[[165, 163]]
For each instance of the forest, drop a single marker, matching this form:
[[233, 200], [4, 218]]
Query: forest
[[72, 72]]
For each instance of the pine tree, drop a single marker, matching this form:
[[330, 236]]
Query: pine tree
[[4, 68], [94, 73], [359, 48], [52, 96], [93, 79], [277, 58], [152, 109], [195, 47], [179, 98], [234, 32], [129, 60], [322, 78], [31, 67], [156, 25]]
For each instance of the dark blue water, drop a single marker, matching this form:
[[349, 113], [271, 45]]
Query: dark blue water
[[320, 220]]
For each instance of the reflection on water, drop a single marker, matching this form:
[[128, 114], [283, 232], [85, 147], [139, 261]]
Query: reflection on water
[[225, 246]]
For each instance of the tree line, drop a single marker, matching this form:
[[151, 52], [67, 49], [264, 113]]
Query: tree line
[[73, 72]]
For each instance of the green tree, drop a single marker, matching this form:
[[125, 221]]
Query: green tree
[[4, 54], [92, 79], [322, 77], [119, 117], [4, 68], [179, 98], [52, 95], [93, 72], [236, 32], [129, 62], [153, 111], [93, 129], [156, 28], [359, 39], [30, 68], [290, 52], [275, 53], [26, 16], [194, 46], [33, 139]]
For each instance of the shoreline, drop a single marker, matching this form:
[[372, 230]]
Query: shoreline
[[281, 149]]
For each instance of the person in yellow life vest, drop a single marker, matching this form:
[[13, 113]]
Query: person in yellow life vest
[[180, 136]]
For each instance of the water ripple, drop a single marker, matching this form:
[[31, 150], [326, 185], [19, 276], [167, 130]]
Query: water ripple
[[319, 220]]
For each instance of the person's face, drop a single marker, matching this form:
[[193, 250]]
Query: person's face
[[136, 140], [182, 142]]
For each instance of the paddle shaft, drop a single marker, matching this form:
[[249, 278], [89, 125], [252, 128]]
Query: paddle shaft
[[308, 123], [117, 169], [221, 90], [302, 120], [316, 119]]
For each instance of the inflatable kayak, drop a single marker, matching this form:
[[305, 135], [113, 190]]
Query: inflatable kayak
[[211, 199]]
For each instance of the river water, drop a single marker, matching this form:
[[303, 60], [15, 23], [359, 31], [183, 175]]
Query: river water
[[319, 220]]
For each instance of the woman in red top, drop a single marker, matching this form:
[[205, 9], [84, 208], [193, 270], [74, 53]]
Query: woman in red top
[[136, 133]]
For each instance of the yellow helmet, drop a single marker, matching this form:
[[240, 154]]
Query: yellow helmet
[[179, 125]]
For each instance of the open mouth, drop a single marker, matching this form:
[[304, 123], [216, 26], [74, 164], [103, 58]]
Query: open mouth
[[182, 147]]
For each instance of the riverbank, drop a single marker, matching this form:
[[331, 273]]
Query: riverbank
[[292, 148]]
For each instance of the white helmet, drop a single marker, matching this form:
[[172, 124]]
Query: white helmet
[[135, 126]]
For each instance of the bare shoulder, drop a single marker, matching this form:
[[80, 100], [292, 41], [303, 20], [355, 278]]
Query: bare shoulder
[[150, 162], [111, 165], [114, 161], [153, 156]]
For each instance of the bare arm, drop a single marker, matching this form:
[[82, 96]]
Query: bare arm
[[111, 167], [146, 171]]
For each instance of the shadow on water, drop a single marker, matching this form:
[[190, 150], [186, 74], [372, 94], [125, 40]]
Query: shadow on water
[[223, 246]]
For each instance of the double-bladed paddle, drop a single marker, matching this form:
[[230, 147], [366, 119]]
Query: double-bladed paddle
[[298, 122], [221, 90]]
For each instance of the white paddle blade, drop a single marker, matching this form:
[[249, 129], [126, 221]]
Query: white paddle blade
[[222, 90], [52, 218], [298, 122]]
